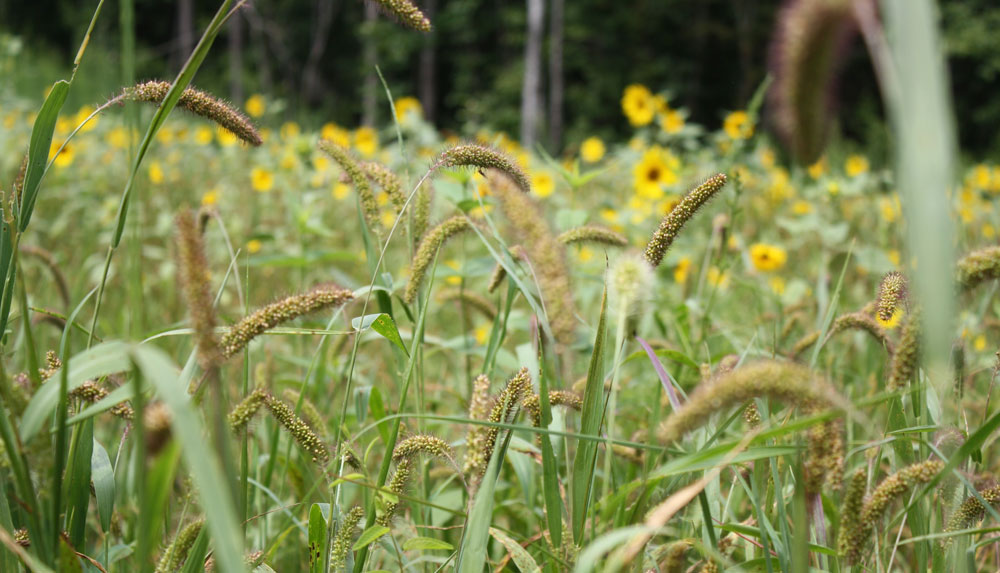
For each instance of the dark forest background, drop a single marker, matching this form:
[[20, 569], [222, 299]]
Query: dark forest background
[[315, 59]]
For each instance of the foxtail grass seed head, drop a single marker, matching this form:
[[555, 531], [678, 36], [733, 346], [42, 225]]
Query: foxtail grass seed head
[[310, 413], [671, 225], [784, 381], [751, 415], [892, 293], [176, 553], [428, 249], [906, 360], [804, 343], [303, 434], [346, 161], [546, 254], [850, 511], [979, 266], [387, 180], [824, 459], [485, 157], [422, 444], [422, 211], [675, 560], [282, 311], [194, 278], [156, 419], [808, 47], [504, 409], [201, 104], [565, 398], [91, 392], [593, 234], [397, 485], [971, 511], [875, 506], [475, 438], [406, 13], [345, 534], [865, 323], [243, 412], [630, 284]]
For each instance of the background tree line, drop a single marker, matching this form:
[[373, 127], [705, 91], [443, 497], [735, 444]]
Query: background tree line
[[551, 71]]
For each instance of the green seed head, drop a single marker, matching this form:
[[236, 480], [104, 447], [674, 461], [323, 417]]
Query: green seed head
[[892, 293], [194, 278], [485, 157], [345, 534], [199, 103], [406, 13], [422, 444], [671, 225], [593, 234], [289, 308], [428, 249], [978, 267], [358, 177]]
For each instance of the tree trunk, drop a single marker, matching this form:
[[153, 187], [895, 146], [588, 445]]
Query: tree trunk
[[556, 75], [428, 67], [312, 83], [185, 31], [236, 58], [531, 93], [370, 58]]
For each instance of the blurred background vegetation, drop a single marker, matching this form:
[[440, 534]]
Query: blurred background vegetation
[[314, 61]]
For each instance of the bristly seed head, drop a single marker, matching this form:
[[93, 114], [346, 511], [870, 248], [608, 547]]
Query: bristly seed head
[[343, 157], [593, 234], [194, 277], [199, 103], [678, 216], [892, 293], [289, 308], [406, 13], [428, 249], [422, 444], [485, 157]]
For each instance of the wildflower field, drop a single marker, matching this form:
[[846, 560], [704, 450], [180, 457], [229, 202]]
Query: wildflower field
[[236, 342]]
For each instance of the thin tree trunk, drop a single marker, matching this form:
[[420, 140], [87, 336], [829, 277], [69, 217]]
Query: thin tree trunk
[[746, 11], [370, 59], [531, 93], [428, 66], [236, 58], [312, 83], [185, 31], [556, 75]]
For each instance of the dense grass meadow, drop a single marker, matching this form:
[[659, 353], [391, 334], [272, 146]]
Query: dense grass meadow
[[236, 342]]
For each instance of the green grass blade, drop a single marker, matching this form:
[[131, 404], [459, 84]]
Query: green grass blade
[[590, 424], [78, 482], [317, 538], [38, 149], [206, 470], [103, 475], [476, 536], [550, 470]]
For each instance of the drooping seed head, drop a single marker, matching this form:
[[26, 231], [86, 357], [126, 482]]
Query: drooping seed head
[[517, 253], [387, 180], [875, 506], [428, 249], [547, 255], [971, 511], [593, 234], [671, 225], [156, 419], [808, 46], [422, 444], [475, 438], [422, 211], [343, 157], [979, 266], [850, 511], [565, 398], [784, 381], [406, 13], [284, 310], [486, 157], [397, 485], [199, 103], [308, 410]]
